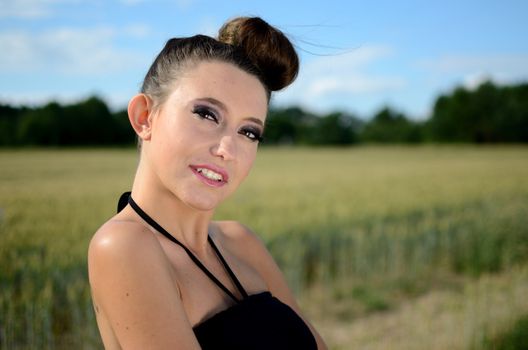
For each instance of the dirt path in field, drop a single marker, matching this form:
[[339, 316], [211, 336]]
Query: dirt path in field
[[440, 319]]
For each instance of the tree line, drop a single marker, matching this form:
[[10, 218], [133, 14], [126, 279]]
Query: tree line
[[487, 114]]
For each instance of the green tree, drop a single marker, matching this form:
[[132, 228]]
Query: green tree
[[287, 125], [122, 132], [9, 121], [86, 123], [389, 126], [487, 114], [40, 126], [335, 129]]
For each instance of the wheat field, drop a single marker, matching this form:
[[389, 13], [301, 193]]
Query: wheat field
[[416, 247]]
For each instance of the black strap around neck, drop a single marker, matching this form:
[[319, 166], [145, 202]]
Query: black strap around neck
[[164, 232]]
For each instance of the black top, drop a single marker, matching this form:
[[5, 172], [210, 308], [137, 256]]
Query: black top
[[258, 321]]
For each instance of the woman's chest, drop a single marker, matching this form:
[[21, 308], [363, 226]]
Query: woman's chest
[[201, 288]]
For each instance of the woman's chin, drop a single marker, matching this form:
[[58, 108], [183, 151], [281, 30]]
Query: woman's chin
[[203, 206], [202, 202]]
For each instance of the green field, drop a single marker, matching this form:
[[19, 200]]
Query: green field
[[417, 247]]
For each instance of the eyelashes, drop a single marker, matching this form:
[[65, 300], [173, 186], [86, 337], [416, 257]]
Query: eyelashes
[[252, 134], [204, 112]]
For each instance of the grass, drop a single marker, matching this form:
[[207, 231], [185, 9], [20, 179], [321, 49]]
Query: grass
[[359, 232], [481, 309], [516, 338]]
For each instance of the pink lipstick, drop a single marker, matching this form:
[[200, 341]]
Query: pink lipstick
[[210, 174]]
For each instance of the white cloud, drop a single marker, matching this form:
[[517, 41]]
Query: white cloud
[[351, 60], [115, 100], [345, 75], [181, 4], [352, 83], [472, 81], [131, 2], [456, 63], [184, 4], [474, 69], [208, 26], [137, 31], [24, 9], [29, 9], [39, 98], [68, 51]]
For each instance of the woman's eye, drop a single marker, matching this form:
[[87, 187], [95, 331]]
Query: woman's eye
[[205, 113], [253, 135]]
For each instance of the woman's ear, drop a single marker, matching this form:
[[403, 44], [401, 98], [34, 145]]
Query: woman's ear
[[139, 115]]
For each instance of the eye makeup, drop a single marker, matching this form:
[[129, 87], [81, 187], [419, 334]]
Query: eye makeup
[[205, 112], [251, 133]]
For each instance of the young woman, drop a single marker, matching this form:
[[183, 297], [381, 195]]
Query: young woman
[[163, 274]]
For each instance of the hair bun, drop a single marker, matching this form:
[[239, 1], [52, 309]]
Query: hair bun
[[267, 48]]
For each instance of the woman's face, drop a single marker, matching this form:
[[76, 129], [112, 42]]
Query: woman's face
[[204, 137]]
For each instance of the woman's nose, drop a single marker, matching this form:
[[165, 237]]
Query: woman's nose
[[226, 148]]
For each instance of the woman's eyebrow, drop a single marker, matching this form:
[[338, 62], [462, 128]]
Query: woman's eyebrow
[[223, 107], [255, 120], [215, 102]]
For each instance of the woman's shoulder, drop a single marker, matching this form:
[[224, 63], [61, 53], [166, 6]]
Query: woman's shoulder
[[255, 251], [231, 229], [117, 244], [133, 288], [237, 235], [246, 244], [121, 236]]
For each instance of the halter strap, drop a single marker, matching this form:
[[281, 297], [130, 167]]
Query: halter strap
[[164, 232]]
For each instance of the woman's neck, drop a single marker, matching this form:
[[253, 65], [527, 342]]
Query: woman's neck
[[188, 225]]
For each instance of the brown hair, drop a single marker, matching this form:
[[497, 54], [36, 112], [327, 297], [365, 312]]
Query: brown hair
[[249, 43]]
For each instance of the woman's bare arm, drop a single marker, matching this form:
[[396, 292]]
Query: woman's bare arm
[[132, 284]]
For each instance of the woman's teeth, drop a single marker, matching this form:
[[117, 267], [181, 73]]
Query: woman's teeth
[[210, 174]]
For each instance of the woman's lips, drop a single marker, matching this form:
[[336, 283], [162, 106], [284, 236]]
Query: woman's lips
[[210, 174]]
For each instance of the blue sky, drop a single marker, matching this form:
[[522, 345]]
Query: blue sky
[[356, 56]]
